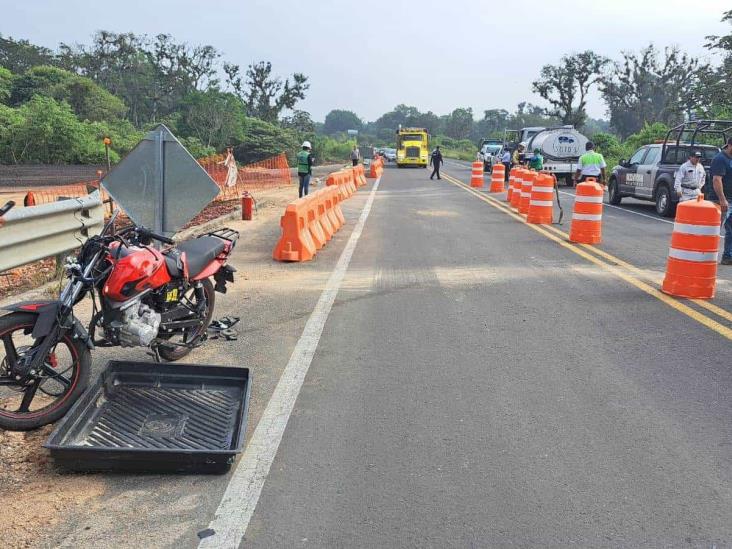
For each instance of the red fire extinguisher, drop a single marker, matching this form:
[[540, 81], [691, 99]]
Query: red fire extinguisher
[[247, 205]]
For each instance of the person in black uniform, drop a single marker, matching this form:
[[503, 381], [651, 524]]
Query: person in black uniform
[[435, 161]]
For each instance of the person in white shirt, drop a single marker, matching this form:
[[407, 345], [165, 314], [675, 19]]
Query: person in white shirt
[[506, 161], [690, 178]]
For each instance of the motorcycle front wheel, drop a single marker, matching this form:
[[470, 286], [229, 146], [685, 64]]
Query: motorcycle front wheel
[[61, 381]]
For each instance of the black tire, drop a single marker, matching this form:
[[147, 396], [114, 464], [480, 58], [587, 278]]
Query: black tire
[[665, 207], [569, 181], [486, 167], [79, 379], [172, 353], [613, 193]]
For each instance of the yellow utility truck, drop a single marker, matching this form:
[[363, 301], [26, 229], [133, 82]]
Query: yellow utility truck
[[412, 145]]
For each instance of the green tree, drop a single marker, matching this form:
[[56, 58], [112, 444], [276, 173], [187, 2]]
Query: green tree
[[339, 120], [6, 84], [47, 132], [20, 55], [300, 121], [644, 88], [215, 118], [459, 123], [713, 98], [266, 96], [88, 100], [261, 140], [565, 86]]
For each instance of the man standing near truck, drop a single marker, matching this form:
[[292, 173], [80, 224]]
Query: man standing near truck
[[591, 164], [354, 155], [435, 161], [721, 170], [690, 177]]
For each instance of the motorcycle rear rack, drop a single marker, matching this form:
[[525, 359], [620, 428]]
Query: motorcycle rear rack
[[230, 235]]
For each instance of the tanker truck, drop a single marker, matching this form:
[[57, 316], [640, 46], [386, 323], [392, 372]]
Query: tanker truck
[[561, 147]]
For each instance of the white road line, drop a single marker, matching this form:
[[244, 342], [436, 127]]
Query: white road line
[[627, 211], [245, 486]]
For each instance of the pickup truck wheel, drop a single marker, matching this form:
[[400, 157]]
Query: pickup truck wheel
[[613, 193], [664, 205], [486, 167]]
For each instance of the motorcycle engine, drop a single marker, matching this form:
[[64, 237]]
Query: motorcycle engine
[[138, 326]]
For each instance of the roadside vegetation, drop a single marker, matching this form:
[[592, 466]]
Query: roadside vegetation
[[56, 106]]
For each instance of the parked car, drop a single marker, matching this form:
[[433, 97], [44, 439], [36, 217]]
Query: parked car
[[490, 154], [390, 155]]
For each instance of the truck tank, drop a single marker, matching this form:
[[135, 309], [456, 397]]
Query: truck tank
[[559, 144]]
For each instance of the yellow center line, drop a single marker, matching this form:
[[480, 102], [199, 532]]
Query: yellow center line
[[711, 307], [615, 270]]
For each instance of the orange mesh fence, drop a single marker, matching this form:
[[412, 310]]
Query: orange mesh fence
[[269, 173]]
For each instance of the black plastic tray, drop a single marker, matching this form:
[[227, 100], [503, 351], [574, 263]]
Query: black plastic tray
[[147, 417]]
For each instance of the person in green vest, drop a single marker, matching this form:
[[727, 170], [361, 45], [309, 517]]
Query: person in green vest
[[536, 162], [304, 167], [591, 164]]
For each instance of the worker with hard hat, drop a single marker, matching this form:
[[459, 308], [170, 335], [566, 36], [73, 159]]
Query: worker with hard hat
[[536, 162], [304, 167]]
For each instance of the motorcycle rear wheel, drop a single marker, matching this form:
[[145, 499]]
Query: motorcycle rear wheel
[[172, 353], [57, 388]]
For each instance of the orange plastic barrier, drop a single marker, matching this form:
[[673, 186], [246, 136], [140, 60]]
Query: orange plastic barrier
[[527, 181], [308, 223], [498, 177], [476, 175], [541, 205], [344, 180], [377, 167], [511, 182], [691, 270], [518, 183], [586, 225], [359, 176]]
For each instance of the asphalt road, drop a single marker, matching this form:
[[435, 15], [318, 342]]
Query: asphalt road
[[476, 384]]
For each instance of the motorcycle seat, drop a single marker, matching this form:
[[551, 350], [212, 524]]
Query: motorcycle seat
[[200, 252]]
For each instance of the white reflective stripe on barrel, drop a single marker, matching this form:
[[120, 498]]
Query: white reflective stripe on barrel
[[541, 203], [702, 230], [582, 198], [543, 189], [587, 217], [686, 255]]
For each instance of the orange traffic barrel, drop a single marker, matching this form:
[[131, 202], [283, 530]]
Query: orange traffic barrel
[[541, 204], [511, 183], [691, 270], [527, 181], [518, 182], [476, 176], [586, 225], [498, 176]]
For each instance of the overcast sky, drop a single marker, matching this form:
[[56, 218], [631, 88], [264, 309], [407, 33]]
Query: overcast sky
[[368, 56]]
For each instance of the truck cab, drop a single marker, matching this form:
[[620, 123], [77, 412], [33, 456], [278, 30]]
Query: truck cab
[[412, 147], [650, 171]]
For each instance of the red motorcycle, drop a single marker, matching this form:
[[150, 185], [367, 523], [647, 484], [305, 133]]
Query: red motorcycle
[[141, 297]]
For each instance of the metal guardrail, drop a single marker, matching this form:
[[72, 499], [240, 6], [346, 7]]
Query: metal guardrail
[[37, 232]]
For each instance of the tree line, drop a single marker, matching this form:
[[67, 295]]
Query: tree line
[[57, 106]]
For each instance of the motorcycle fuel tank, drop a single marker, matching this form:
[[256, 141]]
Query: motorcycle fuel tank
[[140, 269]]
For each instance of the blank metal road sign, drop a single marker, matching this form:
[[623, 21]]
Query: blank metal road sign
[[159, 184]]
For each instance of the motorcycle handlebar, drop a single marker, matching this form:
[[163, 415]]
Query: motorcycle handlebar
[[148, 233]]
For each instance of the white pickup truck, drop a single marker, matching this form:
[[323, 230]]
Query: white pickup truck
[[490, 153]]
